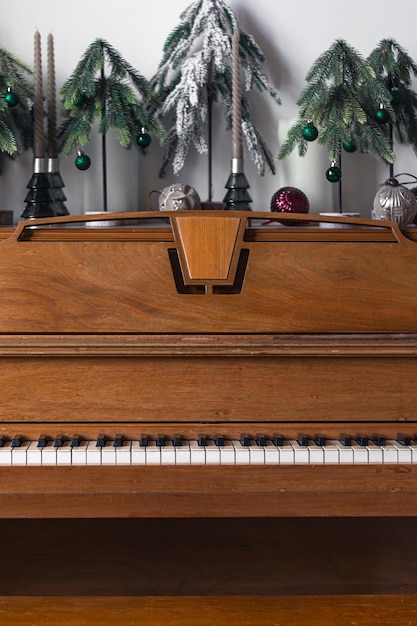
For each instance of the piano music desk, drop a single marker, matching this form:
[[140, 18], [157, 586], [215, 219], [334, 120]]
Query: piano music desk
[[195, 330]]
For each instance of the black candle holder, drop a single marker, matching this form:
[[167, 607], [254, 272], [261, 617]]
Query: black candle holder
[[39, 199], [237, 198], [57, 185]]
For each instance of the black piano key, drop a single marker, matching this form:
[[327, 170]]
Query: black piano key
[[378, 440], [177, 441], [320, 440], [303, 440], [346, 440], [219, 441], [362, 440], [278, 440], [101, 441], [42, 441], [3, 440], [144, 441], [160, 440], [404, 440], [16, 441], [75, 441], [118, 441], [261, 440], [59, 441], [202, 441], [245, 440]]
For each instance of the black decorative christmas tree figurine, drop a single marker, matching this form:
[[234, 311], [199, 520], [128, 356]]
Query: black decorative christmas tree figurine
[[195, 72], [119, 100]]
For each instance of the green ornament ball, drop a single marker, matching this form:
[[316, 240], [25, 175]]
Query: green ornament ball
[[349, 146], [333, 174], [382, 116], [12, 99], [396, 97], [82, 162], [310, 132], [144, 140]]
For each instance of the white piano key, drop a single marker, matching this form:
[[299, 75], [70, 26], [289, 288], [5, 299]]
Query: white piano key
[[316, 454], [168, 454], [256, 455], [64, 454], [153, 454], [183, 454], [345, 452], [6, 454], [137, 453], [374, 453], [34, 454], [301, 453], [123, 453], [271, 454], [286, 453], [197, 453], [19, 454], [389, 452], [405, 453], [331, 453], [79, 453], [93, 454], [108, 454], [241, 453], [227, 454], [49, 454], [360, 453], [212, 453], [413, 449]]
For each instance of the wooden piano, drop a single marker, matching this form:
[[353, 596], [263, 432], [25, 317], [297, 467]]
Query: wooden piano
[[208, 418]]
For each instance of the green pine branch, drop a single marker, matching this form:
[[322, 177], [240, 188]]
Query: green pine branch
[[340, 98], [395, 69], [105, 87], [16, 124]]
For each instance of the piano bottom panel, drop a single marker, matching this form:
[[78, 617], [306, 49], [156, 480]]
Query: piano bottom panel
[[206, 491], [236, 611], [206, 557]]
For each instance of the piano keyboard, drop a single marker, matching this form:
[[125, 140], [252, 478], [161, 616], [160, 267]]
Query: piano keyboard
[[178, 450]]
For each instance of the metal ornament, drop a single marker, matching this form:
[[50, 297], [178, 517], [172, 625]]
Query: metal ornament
[[396, 203], [178, 197]]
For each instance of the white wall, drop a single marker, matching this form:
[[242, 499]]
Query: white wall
[[291, 34]]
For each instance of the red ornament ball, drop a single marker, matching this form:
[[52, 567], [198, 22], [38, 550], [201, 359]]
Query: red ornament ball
[[290, 200]]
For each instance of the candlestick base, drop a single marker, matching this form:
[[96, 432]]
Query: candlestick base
[[237, 198], [39, 199], [57, 184]]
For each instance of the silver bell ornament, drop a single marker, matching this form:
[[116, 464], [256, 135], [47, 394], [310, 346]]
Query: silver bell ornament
[[178, 197], [394, 202]]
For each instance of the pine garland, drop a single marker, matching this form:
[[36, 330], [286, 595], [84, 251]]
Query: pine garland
[[16, 126], [195, 70], [340, 98], [120, 100], [394, 68]]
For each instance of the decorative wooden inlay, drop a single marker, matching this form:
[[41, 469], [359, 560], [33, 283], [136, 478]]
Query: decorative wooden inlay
[[207, 245]]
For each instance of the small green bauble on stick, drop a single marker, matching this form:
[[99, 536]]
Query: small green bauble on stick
[[82, 161], [310, 132], [11, 98], [333, 174]]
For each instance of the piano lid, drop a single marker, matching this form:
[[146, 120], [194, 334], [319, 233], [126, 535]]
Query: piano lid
[[206, 272]]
